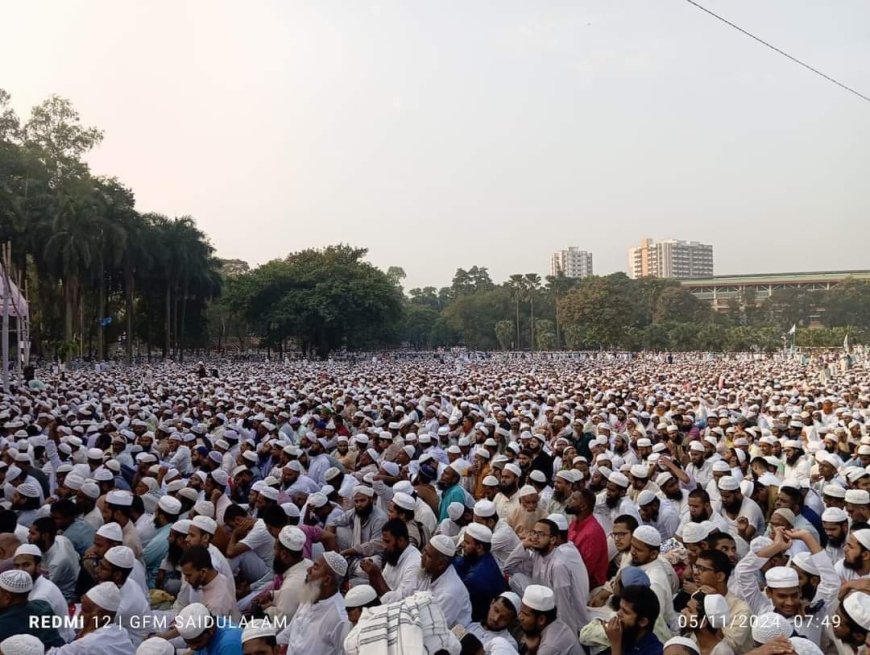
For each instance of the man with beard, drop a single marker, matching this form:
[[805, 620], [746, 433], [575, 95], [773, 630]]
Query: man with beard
[[853, 627], [700, 510], [320, 624], [783, 589], [318, 461], [28, 558], [289, 563], [797, 466], [613, 502], [712, 571], [507, 499], [699, 468], [646, 543], [502, 613], [543, 632], [504, 539], [588, 536], [835, 522], [358, 530], [439, 577], [451, 491], [541, 460], [398, 580], [858, 505], [59, 557], [631, 630], [168, 509], [562, 485], [168, 576], [741, 513], [540, 559], [116, 567], [658, 514], [478, 570], [856, 555]]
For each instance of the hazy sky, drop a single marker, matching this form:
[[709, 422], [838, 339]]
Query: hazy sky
[[450, 133]]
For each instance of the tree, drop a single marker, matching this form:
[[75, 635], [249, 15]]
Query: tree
[[533, 284], [517, 285], [557, 287], [545, 334], [679, 304], [504, 334]]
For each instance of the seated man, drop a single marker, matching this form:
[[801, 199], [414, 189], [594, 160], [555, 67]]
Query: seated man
[[16, 611], [543, 632]]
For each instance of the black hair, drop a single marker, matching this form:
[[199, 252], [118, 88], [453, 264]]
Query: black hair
[[396, 527], [234, 512], [274, 516], [794, 495], [644, 602], [138, 505], [719, 560], [700, 493], [45, 525], [65, 507], [627, 520], [196, 556], [8, 520], [554, 529]]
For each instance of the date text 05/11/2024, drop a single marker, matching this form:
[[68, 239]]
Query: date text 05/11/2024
[[151, 623], [752, 621]]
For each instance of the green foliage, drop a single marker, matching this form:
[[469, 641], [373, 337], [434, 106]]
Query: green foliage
[[504, 334]]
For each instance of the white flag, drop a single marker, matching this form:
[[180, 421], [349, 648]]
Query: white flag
[[793, 328]]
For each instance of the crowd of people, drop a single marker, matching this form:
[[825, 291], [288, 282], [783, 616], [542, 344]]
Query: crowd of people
[[606, 506]]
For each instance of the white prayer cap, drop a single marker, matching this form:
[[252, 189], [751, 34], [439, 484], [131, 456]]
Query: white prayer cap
[[335, 562], [16, 582], [22, 645], [484, 508], [682, 642], [205, 524], [28, 489], [513, 468], [111, 531], [331, 472], [317, 500], [804, 646], [404, 501], [645, 497], [404, 487], [644, 442], [120, 498], [648, 535], [269, 492], [728, 483], [291, 510], [103, 475], [694, 533], [539, 598], [220, 477], [490, 481], [857, 606], [479, 532], [834, 515], [781, 577], [294, 466], [360, 595], [121, 556], [155, 646], [455, 511], [721, 466], [364, 490], [182, 526], [560, 521], [717, 611], [28, 549], [442, 543], [193, 620], [696, 447], [169, 505], [803, 561], [855, 497], [204, 508], [513, 599], [105, 595], [770, 625], [538, 476], [863, 537], [259, 629], [527, 490], [292, 538], [618, 479], [95, 453], [663, 478], [639, 471]]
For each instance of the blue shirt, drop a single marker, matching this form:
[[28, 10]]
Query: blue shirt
[[484, 581], [155, 552], [454, 494], [226, 641], [81, 535], [648, 645]]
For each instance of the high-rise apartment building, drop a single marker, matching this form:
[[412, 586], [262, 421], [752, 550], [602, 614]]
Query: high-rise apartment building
[[677, 259], [572, 262]]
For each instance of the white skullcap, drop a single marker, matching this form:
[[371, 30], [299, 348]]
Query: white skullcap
[[16, 582], [479, 532], [786, 513], [683, 642], [857, 606], [442, 543], [155, 646], [490, 481], [22, 645], [803, 561], [364, 490], [73, 481], [645, 497], [193, 620], [853, 497], [28, 489], [95, 453], [169, 505], [205, 524], [618, 479], [834, 515], [120, 498], [204, 508], [539, 598], [728, 483], [648, 535], [103, 475], [560, 521], [404, 501], [174, 486], [513, 468], [863, 537], [90, 489], [455, 511], [28, 549], [644, 442], [717, 610], [781, 577], [770, 625], [639, 471], [291, 510], [804, 646], [182, 526], [360, 595], [336, 562], [696, 447], [513, 599], [220, 477], [111, 531], [694, 533], [292, 538], [485, 508], [527, 490], [121, 556], [663, 478], [318, 500], [269, 493], [258, 629], [106, 595]]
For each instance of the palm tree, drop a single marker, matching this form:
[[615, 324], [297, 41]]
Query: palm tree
[[518, 284], [558, 286], [533, 283]]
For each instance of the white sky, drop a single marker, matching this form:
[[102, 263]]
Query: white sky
[[447, 133]]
